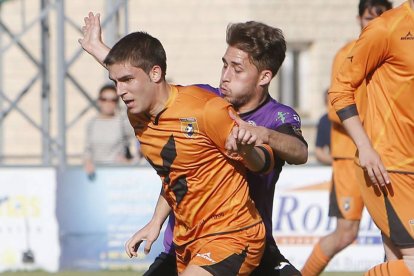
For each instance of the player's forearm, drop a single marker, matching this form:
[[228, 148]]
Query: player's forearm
[[162, 210], [287, 147], [257, 158], [99, 52], [355, 129]]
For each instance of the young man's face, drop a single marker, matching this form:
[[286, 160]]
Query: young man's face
[[133, 86], [239, 77]]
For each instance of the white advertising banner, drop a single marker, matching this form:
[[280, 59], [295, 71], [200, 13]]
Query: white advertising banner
[[121, 200], [97, 216], [28, 225], [300, 218]]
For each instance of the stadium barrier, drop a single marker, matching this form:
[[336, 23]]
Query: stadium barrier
[[63, 221]]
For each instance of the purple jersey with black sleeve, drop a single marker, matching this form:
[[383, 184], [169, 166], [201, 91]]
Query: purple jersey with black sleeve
[[276, 116], [272, 115]]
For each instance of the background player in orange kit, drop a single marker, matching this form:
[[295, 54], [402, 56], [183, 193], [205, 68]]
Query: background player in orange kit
[[383, 58], [345, 197]]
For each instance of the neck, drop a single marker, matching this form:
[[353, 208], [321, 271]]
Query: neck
[[254, 102], [162, 94]]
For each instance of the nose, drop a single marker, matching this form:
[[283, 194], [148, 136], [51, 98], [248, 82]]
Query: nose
[[119, 90], [225, 75]]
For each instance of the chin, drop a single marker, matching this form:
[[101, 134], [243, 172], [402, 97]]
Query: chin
[[227, 98], [134, 110], [233, 102]]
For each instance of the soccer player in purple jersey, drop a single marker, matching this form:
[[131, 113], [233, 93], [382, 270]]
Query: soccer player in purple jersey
[[254, 55], [244, 83]]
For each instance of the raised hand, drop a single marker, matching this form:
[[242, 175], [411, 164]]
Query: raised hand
[[91, 41], [91, 32]]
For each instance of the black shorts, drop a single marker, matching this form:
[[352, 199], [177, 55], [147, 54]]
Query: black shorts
[[164, 265], [273, 263]]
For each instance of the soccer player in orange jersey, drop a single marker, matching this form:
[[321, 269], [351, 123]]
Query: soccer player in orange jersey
[[345, 197], [382, 57], [251, 99], [183, 133]]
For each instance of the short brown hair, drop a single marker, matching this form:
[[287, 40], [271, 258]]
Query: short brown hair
[[264, 44], [139, 49]]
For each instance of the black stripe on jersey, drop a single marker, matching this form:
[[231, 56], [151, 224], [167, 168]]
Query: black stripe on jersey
[[180, 189], [168, 155]]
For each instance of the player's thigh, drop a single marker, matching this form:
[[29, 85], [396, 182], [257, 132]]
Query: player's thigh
[[345, 195], [236, 253], [391, 207], [408, 257]]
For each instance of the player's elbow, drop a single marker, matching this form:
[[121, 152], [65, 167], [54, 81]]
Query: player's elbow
[[300, 157]]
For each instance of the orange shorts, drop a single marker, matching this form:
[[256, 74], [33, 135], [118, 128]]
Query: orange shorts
[[235, 253], [345, 199], [391, 208]]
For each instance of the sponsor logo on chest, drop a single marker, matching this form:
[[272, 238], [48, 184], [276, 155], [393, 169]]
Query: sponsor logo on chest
[[408, 36]]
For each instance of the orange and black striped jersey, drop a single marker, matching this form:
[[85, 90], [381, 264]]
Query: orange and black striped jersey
[[342, 145], [206, 188], [383, 57]]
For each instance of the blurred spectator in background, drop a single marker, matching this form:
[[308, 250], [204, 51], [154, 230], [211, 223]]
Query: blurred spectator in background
[[323, 138], [107, 134]]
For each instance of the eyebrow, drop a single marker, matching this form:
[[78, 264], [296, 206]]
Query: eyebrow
[[232, 62], [123, 78]]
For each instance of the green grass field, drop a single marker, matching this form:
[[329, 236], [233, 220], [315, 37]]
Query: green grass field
[[130, 273]]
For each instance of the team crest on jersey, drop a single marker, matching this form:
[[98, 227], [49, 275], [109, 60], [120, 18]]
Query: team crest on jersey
[[189, 127]]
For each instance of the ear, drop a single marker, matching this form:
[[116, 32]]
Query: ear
[[155, 74], [265, 77]]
